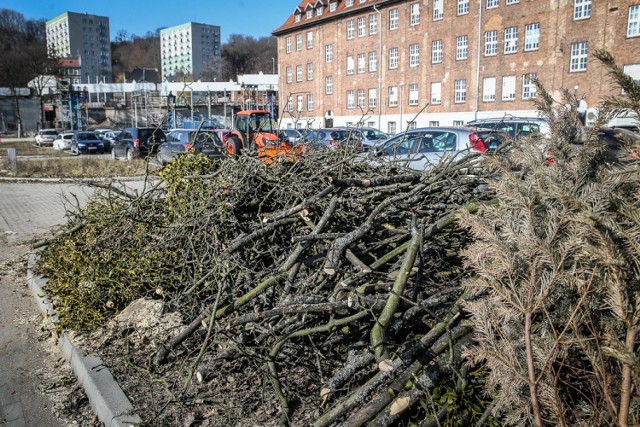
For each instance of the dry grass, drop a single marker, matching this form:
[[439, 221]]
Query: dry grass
[[77, 167], [28, 147]]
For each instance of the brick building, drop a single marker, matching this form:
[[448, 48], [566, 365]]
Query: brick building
[[393, 63]]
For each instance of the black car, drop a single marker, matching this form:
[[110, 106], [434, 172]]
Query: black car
[[137, 142], [190, 141]]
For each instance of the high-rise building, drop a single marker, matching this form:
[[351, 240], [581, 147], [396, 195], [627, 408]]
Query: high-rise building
[[190, 48], [400, 63], [73, 35]]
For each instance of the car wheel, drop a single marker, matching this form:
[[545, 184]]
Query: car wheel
[[129, 155]]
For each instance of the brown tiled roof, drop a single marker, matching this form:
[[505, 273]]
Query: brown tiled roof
[[290, 23]]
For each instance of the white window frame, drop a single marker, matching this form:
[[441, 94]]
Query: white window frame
[[633, 21], [581, 9], [373, 24], [310, 102], [512, 2], [309, 39], [373, 102], [579, 57], [489, 89], [328, 53], [309, 71], [460, 91], [393, 58], [531, 37], [309, 13], [360, 100], [492, 4], [462, 47], [393, 96], [414, 94], [362, 26], [436, 93], [298, 42], [333, 6], [298, 17], [351, 100], [436, 51], [491, 43], [298, 73], [289, 45], [414, 14], [463, 7], [394, 19], [528, 86], [510, 40], [328, 85], [300, 103], [349, 3], [438, 10], [290, 104], [350, 29], [373, 61], [391, 128], [508, 88], [319, 12], [289, 75], [434, 123], [414, 55], [361, 63], [350, 65]]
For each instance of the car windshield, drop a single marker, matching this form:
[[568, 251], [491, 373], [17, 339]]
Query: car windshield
[[85, 136], [374, 135], [260, 122], [48, 132]]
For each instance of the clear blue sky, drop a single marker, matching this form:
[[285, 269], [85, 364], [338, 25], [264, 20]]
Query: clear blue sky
[[257, 18]]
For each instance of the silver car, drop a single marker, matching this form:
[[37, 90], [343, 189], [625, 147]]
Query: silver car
[[422, 148], [63, 141], [45, 137]]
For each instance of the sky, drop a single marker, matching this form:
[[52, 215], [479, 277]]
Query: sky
[[257, 18]]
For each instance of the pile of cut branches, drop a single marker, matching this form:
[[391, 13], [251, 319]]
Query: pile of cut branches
[[311, 293]]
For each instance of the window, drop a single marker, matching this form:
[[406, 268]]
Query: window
[[462, 47], [434, 123], [633, 22], [489, 89], [436, 92], [458, 122], [361, 63], [328, 53], [579, 53], [328, 85], [414, 55], [372, 98], [362, 26], [528, 87], [290, 104], [351, 102], [289, 75], [298, 73], [349, 3], [415, 14], [393, 96], [438, 10], [391, 128], [288, 44], [633, 71], [512, 2], [309, 39], [531, 37], [360, 98], [319, 12], [298, 41], [393, 58], [511, 40], [298, 17], [413, 94], [463, 7], [350, 64], [350, 29], [310, 105], [373, 24], [581, 9], [436, 51], [309, 71], [490, 43], [300, 103], [460, 91], [309, 13], [332, 6], [393, 19], [508, 88], [373, 61], [492, 3]]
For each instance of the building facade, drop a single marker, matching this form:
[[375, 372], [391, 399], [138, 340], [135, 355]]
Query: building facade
[[190, 48], [394, 64], [80, 35]]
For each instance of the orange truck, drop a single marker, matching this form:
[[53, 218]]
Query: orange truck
[[254, 130]]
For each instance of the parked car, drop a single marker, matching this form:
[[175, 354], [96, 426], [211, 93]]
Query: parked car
[[110, 136], [84, 142], [423, 147], [137, 142], [515, 126], [293, 135], [101, 134], [45, 137], [180, 141], [332, 138], [63, 141], [623, 145], [370, 136]]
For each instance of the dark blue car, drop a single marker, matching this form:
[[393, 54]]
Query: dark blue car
[[84, 142]]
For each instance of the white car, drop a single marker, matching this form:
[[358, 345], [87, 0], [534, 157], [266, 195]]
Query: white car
[[63, 141], [45, 137]]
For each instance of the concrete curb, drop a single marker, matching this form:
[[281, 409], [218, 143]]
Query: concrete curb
[[107, 399]]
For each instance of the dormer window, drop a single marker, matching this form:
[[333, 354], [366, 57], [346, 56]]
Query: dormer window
[[349, 3], [333, 6], [319, 10], [309, 13], [297, 19]]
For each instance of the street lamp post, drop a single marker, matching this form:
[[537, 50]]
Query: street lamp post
[[273, 65], [171, 111], [401, 86]]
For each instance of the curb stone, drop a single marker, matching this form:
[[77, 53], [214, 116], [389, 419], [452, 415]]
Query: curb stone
[[107, 399]]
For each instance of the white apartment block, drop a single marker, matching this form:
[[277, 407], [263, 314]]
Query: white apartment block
[[189, 48], [73, 35]]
